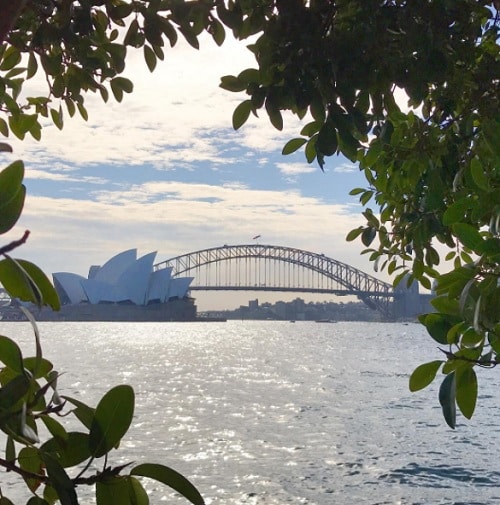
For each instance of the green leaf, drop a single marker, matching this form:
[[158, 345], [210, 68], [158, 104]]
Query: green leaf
[[11, 179], [468, 235], [10, 451], [24, 280], [11, 210], [29, 460], [310, 129], [11, 355], [12, 193], [36, 500], [356, 191], [190, 36], [138, 492], [366, 197], [150, 57], [120, 85], [38, 368], [217, 31], [348, 145], [293, 145], [57, 117], [466, 390], [13, 392], [438, 326], [249, 75], [424, 374], [353, 234], [47, 290], [60, 480], [115, 491], [368, 235], [478, 175], [130, 38], [55, 428], [231, 83], [112, 419], [327, 139], [274, 114], [32, 66], [447, 395], [456, 211], [84, 413], [241, 114], [4, 129], [310, 150], [171, 478], [70, 452], [11, 58], [446, 305]]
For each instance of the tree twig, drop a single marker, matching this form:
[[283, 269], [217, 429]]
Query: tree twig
[[14, 244]]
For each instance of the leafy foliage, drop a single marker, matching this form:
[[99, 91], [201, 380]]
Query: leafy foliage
[[53, 468], [432, 166], [433, 171], [82, 47]]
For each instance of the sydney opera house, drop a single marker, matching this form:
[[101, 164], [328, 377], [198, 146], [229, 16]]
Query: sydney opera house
[[125, 288]]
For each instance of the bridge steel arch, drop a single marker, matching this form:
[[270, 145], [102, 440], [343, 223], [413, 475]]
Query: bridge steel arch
[[372, 291]]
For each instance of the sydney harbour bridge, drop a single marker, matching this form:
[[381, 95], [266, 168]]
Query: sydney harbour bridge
[[255, 267]]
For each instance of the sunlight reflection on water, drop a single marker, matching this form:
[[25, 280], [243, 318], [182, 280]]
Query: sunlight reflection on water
[[268, 413]]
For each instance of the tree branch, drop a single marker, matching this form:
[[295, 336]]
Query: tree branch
[[480, 362], [15, 243], [88, 481]]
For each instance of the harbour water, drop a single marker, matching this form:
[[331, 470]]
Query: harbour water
[[273, 413]]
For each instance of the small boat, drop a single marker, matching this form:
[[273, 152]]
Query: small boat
[[326, 321]]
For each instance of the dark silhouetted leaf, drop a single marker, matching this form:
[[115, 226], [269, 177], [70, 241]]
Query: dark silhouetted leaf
[[60, 480], [70, 452], [241, 113], [170, 478], [466, 390], [447, 394], [10, 354], [293, 145]]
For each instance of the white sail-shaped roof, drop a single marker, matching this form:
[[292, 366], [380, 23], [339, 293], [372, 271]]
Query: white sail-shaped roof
[[114, 268], [123, 278], [134, 281], [71, 285], [98, 292], [179, 287], [159, 282]]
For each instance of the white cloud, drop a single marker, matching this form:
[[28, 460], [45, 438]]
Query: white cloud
[[33, 173], [296, 168], [176, 118], [177, 114], [176, 218], [346, 168]]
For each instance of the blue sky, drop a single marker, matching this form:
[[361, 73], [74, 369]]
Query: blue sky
[[164, 171]]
